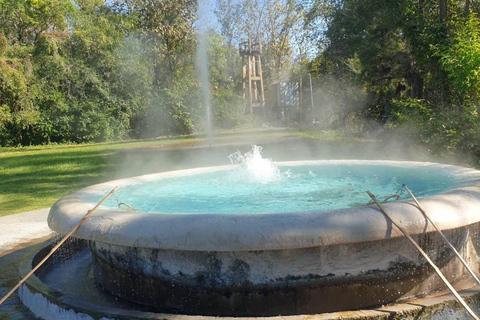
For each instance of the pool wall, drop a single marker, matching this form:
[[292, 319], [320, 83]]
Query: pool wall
[[270, 282], [266, 264]]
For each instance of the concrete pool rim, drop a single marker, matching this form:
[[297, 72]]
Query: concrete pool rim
[[271, 231]]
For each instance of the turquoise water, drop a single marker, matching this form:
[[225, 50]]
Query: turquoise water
[[285, 189]]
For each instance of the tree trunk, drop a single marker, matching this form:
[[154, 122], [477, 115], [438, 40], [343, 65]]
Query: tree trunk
[[442, 4], [475, 100]]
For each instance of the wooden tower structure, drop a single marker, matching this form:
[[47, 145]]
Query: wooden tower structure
[[253, 92]]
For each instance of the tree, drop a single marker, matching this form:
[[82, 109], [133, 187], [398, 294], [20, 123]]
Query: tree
[[280, 18], [227, 103], [3, 44], [460, 58], [17, 108], [23, 21], [227, 13], [272, 22], [418, 59], [167, 31]]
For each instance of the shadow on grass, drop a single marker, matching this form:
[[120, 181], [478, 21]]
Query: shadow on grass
[[36, 180]]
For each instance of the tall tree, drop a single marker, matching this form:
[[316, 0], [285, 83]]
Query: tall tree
[[273, 22], [227, 13], [167, 30], [417, 59], [22, 21], [280, 20]]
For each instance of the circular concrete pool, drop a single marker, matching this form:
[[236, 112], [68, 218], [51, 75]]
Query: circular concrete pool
[[254, 261]]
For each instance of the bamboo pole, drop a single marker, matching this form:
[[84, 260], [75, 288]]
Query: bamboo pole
[[420, 250], [89, 213], [442, 235]]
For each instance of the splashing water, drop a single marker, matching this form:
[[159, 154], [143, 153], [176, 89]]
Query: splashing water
[[253, 167], [258, 185]]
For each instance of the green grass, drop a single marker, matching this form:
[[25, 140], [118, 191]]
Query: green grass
[[35, 177]]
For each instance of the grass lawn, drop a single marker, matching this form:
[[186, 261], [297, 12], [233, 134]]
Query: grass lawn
[[35, 177]]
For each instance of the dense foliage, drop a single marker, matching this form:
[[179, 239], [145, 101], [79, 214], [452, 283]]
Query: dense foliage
[[416, 61], [93, 70]]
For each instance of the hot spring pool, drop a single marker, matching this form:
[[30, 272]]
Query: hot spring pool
[[290, 187], [260, 239]]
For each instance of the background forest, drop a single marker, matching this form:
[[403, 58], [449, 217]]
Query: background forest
[[91, 70]]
